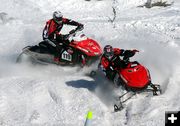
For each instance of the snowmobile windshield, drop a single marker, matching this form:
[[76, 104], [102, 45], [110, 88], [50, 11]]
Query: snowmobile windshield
[[78, 36]]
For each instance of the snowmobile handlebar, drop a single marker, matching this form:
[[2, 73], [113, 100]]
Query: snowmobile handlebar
[[67, 36], [71, 33]]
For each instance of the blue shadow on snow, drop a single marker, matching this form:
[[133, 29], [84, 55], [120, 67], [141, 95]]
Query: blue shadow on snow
[[90, 85]]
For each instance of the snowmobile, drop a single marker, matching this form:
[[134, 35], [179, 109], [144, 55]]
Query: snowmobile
[[81, 50], [134, 78]]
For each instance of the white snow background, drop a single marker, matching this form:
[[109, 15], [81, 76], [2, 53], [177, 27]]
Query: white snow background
[[60, 96]]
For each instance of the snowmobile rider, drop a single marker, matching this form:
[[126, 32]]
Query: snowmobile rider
[[111, 62], [52, 35]]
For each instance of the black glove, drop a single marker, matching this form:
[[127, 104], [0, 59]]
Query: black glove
[[80, 27], [135, 50]]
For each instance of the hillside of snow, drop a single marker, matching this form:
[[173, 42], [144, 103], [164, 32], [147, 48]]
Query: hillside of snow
[[53, 95]]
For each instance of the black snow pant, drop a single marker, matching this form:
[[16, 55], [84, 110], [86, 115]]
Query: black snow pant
[[55, 46]]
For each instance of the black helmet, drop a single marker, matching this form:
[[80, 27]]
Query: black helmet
[[108, 51], [57, 16]]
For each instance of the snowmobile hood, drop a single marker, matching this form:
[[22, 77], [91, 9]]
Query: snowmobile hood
[[88, 46], [135, 76]]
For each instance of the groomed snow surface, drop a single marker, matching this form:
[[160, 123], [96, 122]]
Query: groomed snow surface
[[50, 95]]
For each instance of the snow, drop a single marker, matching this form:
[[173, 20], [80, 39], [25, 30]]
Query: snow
[[50, 95]]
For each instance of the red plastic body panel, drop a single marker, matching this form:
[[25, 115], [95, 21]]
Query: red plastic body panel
[[135, 75], [88, 46]]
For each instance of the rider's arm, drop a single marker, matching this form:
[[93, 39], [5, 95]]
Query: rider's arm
[[130, 53], [125, 53], [118, 52], [45, 31], [104, 62], [74, 23]]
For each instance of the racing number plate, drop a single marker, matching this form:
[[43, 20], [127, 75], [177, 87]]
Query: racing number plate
[[66, 56]]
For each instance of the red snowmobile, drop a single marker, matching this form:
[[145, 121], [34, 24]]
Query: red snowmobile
[[81, 50], [133, 78]]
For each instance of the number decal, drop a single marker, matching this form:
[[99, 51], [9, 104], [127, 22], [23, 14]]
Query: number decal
[[66, 56]]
